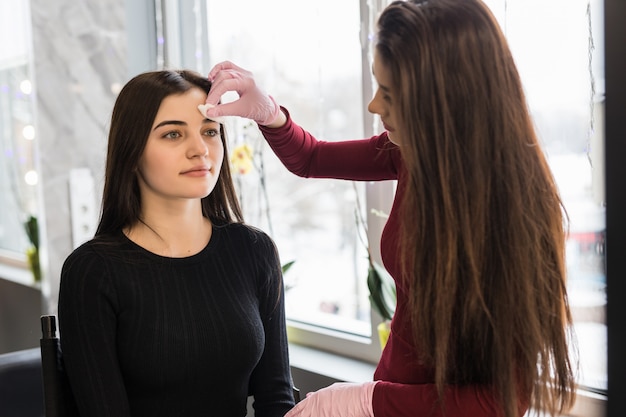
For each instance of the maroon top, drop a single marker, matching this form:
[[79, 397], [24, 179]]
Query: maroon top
[[406, 387]]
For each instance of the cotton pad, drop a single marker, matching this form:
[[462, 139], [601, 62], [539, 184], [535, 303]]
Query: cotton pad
[[204, 107]]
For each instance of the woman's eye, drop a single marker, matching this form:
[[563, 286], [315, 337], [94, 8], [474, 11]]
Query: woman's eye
[[211, 132], [172, 135]]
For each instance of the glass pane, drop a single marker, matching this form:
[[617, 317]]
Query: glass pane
[[17, 132], [561, 64], [316, 74]]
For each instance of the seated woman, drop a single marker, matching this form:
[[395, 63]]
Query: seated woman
[[175, 307]]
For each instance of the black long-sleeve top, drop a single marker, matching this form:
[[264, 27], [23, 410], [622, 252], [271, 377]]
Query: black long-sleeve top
[[147, 335]]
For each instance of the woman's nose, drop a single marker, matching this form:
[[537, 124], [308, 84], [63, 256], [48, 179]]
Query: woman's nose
[[374, 105], [198, 147]]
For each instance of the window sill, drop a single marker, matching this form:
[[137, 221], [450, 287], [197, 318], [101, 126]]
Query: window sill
[[330, 365], [17, 275], [589, 404]]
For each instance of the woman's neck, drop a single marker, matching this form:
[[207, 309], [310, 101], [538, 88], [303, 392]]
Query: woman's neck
[[174, 236]]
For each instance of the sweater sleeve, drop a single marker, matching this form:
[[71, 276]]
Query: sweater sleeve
[[404, 400], [87, 303], [270, 382], [372, 159]]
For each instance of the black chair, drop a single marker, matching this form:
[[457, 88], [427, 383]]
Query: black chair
[[21, 390], [58, 398]]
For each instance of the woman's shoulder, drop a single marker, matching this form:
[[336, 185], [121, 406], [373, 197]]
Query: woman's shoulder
[[245, 232], [95, 251], [244, 235]]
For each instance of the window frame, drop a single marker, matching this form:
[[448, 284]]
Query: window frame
[[378, 195], [30, 194], [615, 171]]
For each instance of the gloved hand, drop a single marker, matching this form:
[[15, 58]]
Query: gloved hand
[[252, 103], [338, 400]]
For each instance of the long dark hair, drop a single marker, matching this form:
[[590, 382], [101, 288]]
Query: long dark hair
[[133, 115], [483, 237]]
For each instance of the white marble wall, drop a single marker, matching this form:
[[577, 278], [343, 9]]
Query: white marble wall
[[80, 62]]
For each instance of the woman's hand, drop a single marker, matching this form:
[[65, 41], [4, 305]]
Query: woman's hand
[[253, 103], [338, 400]]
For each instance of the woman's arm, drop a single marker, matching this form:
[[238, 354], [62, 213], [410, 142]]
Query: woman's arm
[[367, 160], [404, 400], [88, 326], [371, 159], [270, 382], [390, 399]]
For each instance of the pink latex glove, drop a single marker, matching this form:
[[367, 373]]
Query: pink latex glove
[[252, 103], [338, 400]]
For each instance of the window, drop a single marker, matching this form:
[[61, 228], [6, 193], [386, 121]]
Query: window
[[319, 75], [18, 175]]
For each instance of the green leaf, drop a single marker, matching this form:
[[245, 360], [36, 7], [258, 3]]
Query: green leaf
[[382, 291], [32, 230], [287, 266]]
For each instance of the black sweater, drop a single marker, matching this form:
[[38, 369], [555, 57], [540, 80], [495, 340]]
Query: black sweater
[[146, 335]]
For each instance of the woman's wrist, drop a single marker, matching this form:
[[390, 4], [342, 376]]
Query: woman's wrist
[[280, 120]]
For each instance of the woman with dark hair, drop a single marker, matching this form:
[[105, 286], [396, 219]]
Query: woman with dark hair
[[475, 238], [175, 307]]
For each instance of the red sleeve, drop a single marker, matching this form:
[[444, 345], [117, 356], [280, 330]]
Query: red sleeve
[[371, 159], [404, 400]]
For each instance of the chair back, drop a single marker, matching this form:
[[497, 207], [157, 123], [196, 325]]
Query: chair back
[[58, 397]]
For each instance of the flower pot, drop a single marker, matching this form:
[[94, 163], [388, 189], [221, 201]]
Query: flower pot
[[384, 329]]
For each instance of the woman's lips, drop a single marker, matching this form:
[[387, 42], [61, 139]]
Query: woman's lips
[[197, 172]]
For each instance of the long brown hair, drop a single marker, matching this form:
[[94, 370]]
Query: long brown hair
[[483, 225], [133, 115]]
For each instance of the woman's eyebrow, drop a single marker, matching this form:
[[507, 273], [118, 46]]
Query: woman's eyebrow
[[179, 123], [170, 122]]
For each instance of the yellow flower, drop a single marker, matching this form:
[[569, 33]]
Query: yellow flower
[[241, 159]]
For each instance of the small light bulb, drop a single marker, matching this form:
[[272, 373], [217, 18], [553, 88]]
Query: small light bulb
[[29, 132], [31, 177], [116, 88], [26, 86]]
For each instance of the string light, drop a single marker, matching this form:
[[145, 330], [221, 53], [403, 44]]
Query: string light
[[31, 177], [116, 88], [26, 87], [28, 132]]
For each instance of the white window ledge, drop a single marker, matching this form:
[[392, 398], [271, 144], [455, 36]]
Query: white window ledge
[[330, 365], [17, 274]]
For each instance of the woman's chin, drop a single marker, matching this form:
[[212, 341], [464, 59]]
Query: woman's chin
[[393, 137]]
